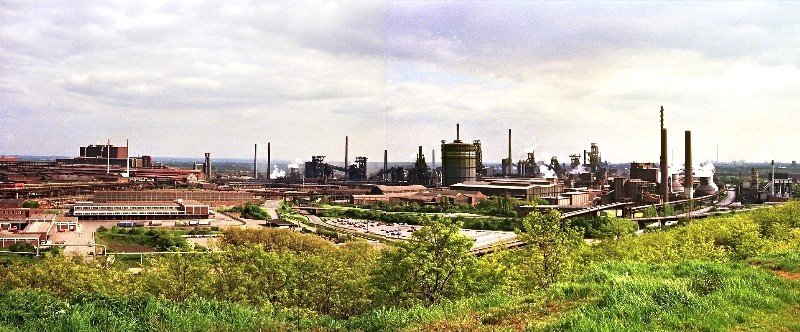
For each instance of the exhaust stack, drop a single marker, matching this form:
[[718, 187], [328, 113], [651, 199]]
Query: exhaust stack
[[688, 177], [207, 167], [510, 163], [664, 169], [108, 157], [269, 161], [255, 161], [127, 157]]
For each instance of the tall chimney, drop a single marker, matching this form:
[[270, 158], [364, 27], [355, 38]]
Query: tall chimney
[[207, 168], [269, 161], [664, 168], [346, 147], [584, 157], [127, 157], [255, 162], [458, 132], [433, 159], [688, 177], [772, 179], [385, 162], [108, 157], [510, 163]]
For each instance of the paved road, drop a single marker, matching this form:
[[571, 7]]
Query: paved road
[[84, 235], [729, 199], [272, 207]]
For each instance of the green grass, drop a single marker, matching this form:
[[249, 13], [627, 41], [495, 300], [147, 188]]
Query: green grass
[[37, 311], [690, 296], [784, 261], [623, 296]]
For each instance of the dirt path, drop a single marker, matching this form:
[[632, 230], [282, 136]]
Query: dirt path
[[788, 275]]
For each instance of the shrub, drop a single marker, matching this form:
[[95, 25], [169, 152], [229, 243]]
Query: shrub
[[22, 247]]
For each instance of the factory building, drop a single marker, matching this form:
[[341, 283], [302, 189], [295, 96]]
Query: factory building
[[459, 161], [140, 210], [645, 172], [778, 187], [103, 155], [418, 194], [203, 196], [635, 190], [524, 189]]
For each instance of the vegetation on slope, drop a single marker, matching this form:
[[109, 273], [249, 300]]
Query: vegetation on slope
[[704, 276]]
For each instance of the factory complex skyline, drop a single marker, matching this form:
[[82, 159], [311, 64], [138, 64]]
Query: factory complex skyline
[[182, 79]]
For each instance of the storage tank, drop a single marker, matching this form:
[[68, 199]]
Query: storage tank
[[459, 161], [706, 187]]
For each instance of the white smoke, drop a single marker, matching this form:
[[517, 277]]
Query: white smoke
[[546, 172], [277, 172], [295, 164], [705, 170], [579, 170]]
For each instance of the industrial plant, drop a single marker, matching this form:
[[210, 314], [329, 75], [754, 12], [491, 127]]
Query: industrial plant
[[104, 182]]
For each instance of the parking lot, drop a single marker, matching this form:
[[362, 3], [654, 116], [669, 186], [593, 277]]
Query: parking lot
[[402, 231]]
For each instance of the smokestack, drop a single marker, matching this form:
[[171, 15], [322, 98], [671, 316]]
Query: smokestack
[[255, 162], [510, 163], [269, 161], [108, 157], [207, 169], [584, 157], [385, 160], [346, 150], [458, 132], [433, 159], [688, 177], [664, 169], [127, 157], [772, 181]]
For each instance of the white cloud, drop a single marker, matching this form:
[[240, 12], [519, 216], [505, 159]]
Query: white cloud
[[183, 78]]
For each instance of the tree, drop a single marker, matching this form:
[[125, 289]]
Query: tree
[[21, 247], [31, 204], [550, 239], [669, 210], [650, 212], [616, 228], [431, 266]]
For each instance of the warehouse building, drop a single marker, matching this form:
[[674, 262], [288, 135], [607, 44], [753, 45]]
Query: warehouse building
[[209, 197], [180, 209]]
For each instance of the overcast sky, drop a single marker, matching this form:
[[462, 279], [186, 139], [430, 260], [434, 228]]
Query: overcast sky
[[184, 78]]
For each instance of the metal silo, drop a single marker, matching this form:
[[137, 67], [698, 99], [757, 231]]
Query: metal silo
[[459, 161]]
